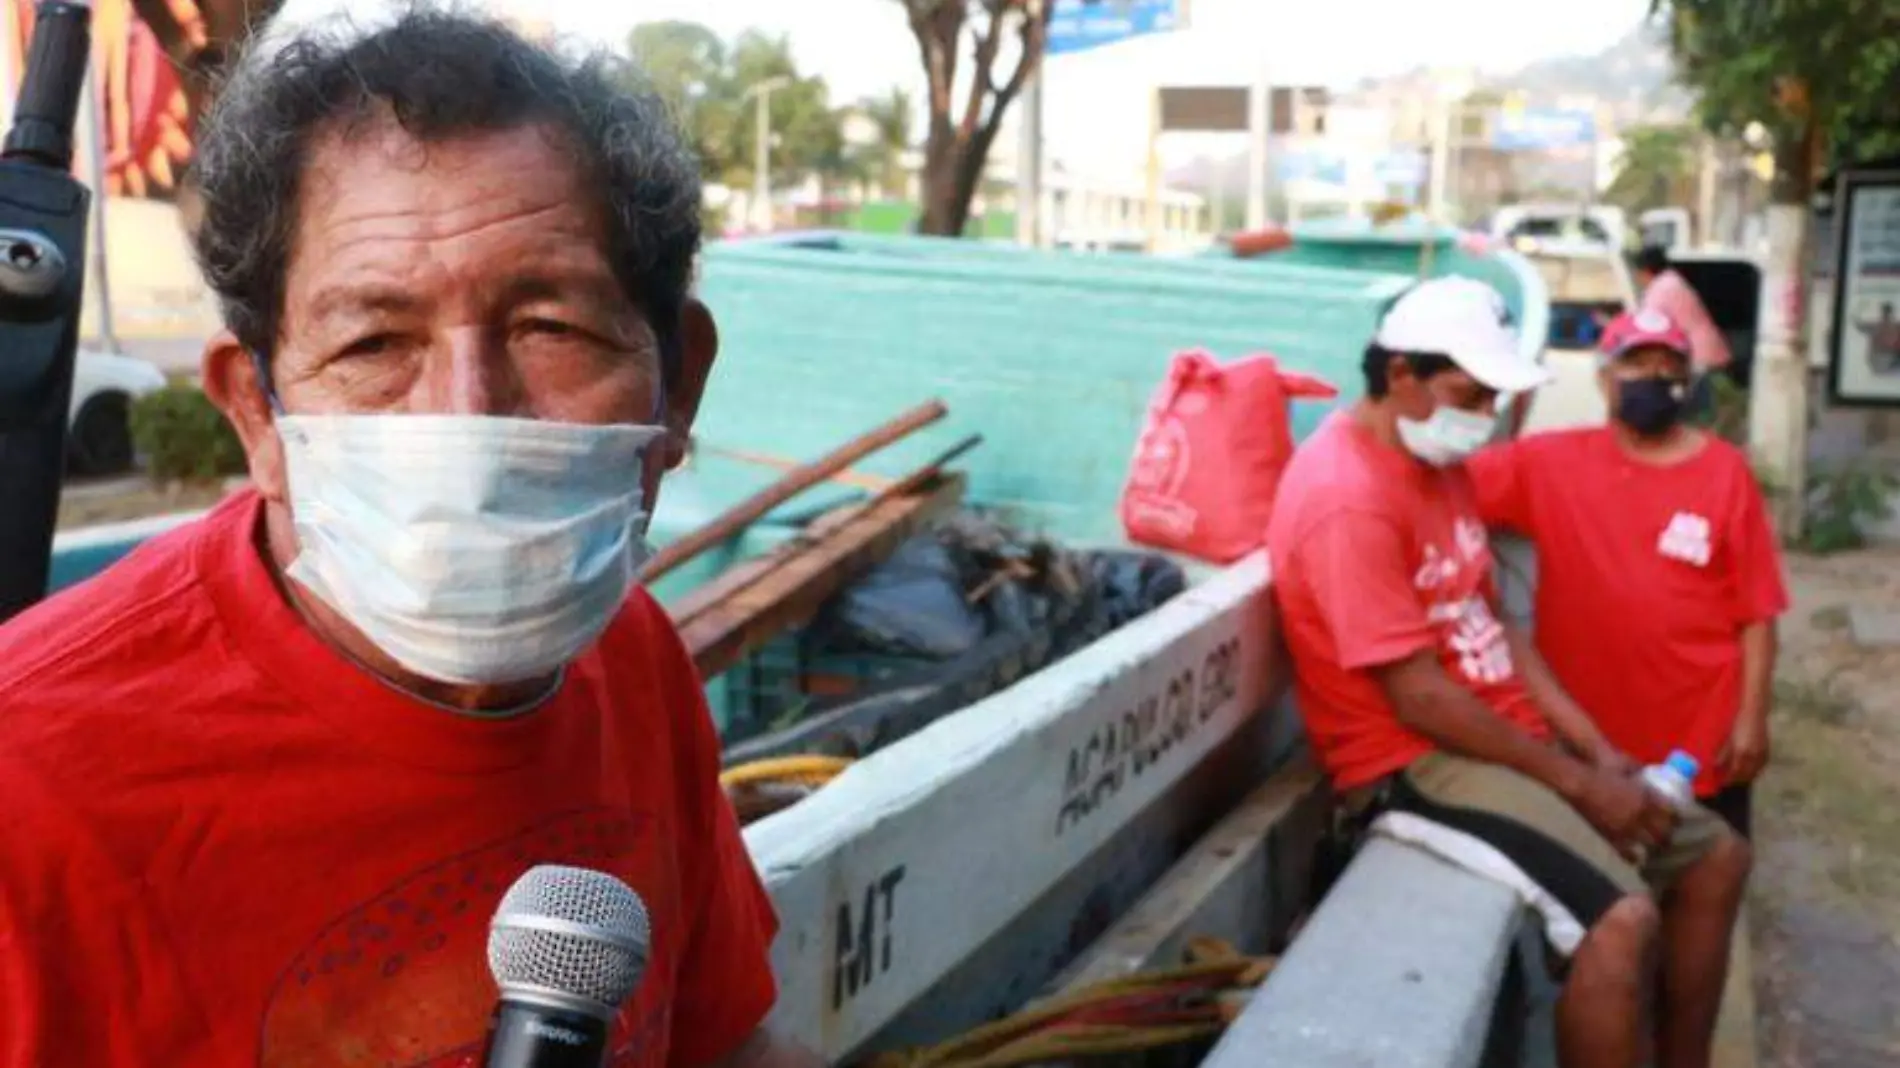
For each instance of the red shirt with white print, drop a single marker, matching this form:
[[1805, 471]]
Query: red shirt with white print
[[1646, 576], [1377, 557]]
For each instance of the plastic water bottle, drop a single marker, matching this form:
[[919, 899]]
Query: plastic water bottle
[[1674, 779]]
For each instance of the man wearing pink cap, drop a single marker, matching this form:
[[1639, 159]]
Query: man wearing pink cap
[[1659, 579]]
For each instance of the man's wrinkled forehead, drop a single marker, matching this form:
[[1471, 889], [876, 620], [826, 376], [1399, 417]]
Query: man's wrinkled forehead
[[372, 164], [380, 215]]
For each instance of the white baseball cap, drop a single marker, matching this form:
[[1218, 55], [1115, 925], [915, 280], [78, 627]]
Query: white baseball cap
[[1467, 321]]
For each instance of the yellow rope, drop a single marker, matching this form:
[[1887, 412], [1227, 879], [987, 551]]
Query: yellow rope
[[807, 770], [1190, 1002]]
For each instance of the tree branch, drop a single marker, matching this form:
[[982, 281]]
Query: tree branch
[[936, 24], [1035, 37], [987, 42]]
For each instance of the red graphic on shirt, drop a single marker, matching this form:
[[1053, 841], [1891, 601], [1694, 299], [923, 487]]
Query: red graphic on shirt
[[403, 981]]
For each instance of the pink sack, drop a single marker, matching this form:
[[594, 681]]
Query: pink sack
[[1211, 453]]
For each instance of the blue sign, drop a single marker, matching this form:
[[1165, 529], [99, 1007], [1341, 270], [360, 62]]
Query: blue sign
[[1323, 167], [1540, 128], [1400, 168], [1079, 25]]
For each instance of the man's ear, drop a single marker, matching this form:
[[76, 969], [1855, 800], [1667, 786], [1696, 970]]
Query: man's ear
[[231, 383], [699, 347], [1398, 372]]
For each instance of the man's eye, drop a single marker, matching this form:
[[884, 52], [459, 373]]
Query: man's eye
[[371, 345], [551, 327]]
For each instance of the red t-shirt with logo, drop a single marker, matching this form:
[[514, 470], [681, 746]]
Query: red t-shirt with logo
[[1646, 576], [1375, 558], [225, 845]]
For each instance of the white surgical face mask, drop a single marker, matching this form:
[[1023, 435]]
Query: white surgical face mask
[[1448, 436], [471, 549]]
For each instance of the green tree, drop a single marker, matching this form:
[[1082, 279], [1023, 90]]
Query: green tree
[[957, 141], [882, 160], [715, 88], [1819, 77], [1656, 166], [806, 140], [686, 63]]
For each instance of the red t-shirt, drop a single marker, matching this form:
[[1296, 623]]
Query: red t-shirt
[[1376, 557], [1646, 576], [225, 845]]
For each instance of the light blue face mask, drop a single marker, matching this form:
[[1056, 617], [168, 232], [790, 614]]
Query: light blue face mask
[[470, 549], [1448, 436]]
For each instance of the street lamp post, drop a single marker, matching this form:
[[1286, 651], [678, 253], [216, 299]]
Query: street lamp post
[[762, 150]]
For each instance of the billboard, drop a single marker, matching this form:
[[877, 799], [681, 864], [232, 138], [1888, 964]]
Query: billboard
[[1405, 169], [1325, 168], [1521, 129], [1079, 25]]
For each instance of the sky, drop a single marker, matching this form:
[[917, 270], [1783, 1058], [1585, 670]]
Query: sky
[[1096, 110]]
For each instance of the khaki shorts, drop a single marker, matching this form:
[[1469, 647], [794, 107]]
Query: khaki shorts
[[1514, 830]]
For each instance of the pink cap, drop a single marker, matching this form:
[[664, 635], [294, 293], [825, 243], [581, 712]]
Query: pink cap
[[1638, 329]]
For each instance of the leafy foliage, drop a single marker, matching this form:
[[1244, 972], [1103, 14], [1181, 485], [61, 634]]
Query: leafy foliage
[[881, 160], [1842, 502], [713, 86], [184, 438], [1655, 169], [1818, 75]]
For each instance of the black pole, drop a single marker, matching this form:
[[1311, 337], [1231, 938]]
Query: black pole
[[43, 217]]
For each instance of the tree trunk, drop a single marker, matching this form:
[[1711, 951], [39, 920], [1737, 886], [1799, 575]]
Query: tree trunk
[[1778, 395], [956, 148], [941, 215]]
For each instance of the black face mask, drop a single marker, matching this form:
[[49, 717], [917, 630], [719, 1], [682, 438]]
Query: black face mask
[[1650, 406]]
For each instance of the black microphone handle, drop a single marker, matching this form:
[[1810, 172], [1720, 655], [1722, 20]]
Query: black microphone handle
[[56, 64], [527, 1035], [43, 217]]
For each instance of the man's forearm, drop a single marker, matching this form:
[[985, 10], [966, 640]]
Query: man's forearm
[[1760, 646], [1457, 721], [1565, 716]]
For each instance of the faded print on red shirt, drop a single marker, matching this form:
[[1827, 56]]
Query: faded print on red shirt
[[1377, 557]]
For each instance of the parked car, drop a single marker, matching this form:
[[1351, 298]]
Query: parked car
[[99, 434], [1589, 284]]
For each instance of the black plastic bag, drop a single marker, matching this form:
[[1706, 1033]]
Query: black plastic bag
[[911, 605]]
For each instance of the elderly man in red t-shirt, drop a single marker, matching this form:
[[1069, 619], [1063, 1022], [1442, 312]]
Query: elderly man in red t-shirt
[[1657, 610], [1443, 728], [266, 780]]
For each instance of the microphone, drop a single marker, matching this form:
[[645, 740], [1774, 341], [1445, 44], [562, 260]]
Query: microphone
[[43, 217], [567, 948]]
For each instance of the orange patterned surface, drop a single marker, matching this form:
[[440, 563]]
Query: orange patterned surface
[[147, 120]]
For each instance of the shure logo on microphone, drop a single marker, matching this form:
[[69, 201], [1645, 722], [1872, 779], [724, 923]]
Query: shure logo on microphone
[[556, 1033]]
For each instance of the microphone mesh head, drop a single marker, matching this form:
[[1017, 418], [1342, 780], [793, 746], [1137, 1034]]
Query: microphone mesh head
[[597, 949]]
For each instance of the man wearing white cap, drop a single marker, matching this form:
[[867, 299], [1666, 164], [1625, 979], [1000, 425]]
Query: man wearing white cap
[[1441, 727]]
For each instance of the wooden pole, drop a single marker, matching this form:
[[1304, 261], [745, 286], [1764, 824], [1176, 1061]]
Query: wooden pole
[[859, 479], [735, 519], [749, 573]]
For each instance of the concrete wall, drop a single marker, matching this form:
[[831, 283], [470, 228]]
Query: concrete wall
[[1409, 963]]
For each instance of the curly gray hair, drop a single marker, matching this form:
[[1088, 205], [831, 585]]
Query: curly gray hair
[[440, 74]]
